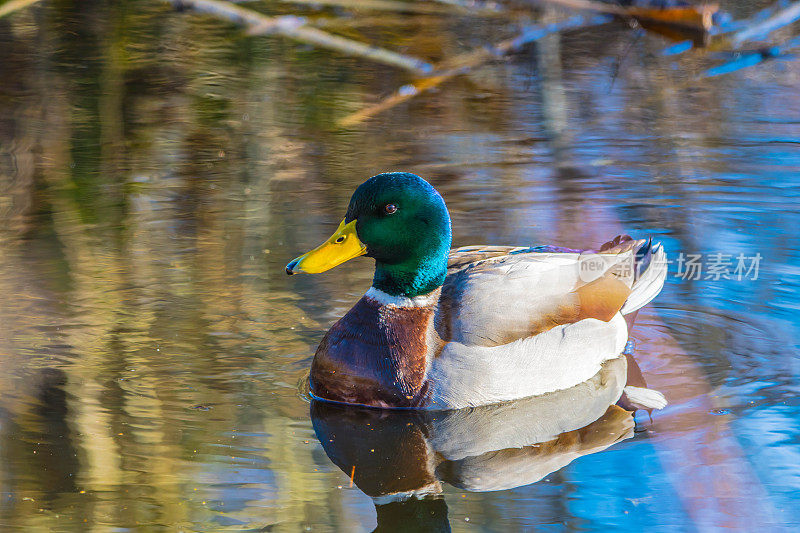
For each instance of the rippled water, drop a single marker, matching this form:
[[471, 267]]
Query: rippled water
[[158, 170]]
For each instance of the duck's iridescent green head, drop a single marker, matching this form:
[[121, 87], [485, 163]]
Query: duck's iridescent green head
[[401, 221]]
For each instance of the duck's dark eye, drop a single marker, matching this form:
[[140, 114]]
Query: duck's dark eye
[[389, 209]]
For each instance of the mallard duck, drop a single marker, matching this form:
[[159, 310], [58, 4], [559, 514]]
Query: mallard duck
[[477, 325]]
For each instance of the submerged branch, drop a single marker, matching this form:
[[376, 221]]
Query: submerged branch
[[756, 28], [779, 20], [14, 5], [295, 28], [734, 34], [692, 18], [464, 63]]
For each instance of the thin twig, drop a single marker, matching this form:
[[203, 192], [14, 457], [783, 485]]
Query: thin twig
[[473, 5], [586, 5], [14, 5], [463, 63], [370, 22], [615, 72], [295, 28], [377, 5]]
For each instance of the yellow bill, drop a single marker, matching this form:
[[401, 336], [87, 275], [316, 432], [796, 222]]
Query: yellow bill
[[342, 246]]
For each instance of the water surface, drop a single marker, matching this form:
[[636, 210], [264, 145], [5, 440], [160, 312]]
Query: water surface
[[158, 170]]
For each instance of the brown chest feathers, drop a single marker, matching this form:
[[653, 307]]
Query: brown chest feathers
[[375, 355]]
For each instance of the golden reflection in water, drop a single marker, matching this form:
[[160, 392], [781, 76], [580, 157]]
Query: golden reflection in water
[[124, 342]]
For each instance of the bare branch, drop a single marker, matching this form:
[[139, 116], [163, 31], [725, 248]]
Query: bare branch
[[463, 63], [377, 5], [295, 28]]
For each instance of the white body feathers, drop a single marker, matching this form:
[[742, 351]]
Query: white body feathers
[[498, 300]]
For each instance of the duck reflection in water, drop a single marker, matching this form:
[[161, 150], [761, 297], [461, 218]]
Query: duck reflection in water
[[402, 458]]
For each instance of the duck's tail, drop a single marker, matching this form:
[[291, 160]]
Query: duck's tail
[[643, 398], [650, 263], [649, 273]]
